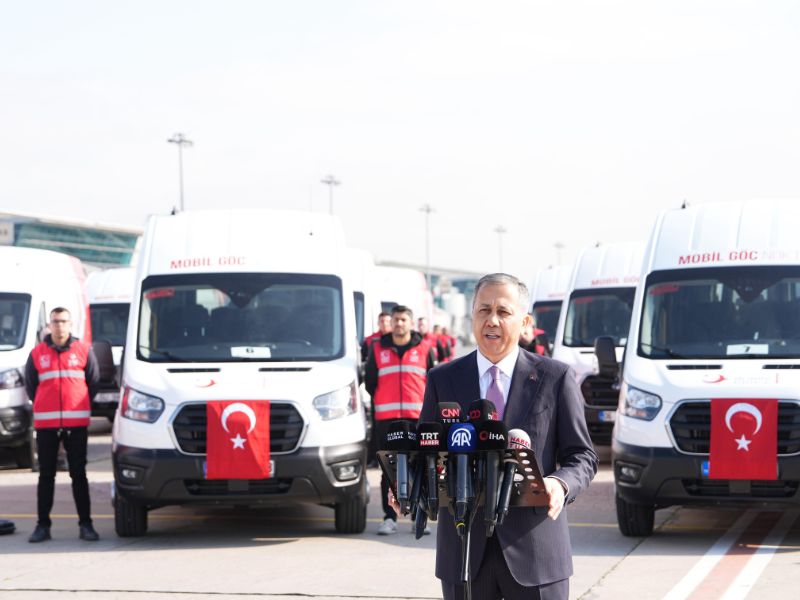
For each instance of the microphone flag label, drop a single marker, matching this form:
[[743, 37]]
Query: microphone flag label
[[744, 439], [237, 439]]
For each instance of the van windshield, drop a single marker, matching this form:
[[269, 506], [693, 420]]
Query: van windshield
[[239, 317], [733, 312], [595, 313], [14, 309], [110, 322], [545, 315]]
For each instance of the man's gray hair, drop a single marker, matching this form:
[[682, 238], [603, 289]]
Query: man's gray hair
[[502, 279]]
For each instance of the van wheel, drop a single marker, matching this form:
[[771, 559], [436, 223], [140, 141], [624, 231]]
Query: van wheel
[[130, 519], [351, 515], [23, 455], [635, 520]]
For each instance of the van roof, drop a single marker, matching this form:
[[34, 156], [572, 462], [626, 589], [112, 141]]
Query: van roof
[[111, 286], [243, 240], [22, 268], [551, 283], [608, 265], [753, 232]]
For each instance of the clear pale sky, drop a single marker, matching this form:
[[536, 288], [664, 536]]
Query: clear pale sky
[[566, 122]]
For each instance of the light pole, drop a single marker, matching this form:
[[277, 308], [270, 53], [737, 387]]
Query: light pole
[[330, 181], [427, 209], [500, 230], [180, 140], [559, 247]]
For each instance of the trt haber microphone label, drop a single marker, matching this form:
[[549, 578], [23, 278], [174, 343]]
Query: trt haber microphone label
[[428, 439]]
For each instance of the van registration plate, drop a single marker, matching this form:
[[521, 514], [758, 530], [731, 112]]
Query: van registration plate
[[607, 416], [271, 469]]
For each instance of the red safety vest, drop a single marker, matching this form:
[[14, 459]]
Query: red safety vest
[[62, 397], [401, 382]]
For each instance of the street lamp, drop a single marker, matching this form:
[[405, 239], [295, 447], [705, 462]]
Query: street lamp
[[559, 247], [330, 181], [180, 140], [500, 230], [427, 209]]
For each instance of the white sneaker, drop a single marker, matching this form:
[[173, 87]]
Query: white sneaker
[[388, 527]]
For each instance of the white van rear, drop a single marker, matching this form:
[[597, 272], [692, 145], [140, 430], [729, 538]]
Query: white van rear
[[109, 295], [547, 295], [34, 283], [599, 303], [246, 305], [717, 316], [399, 285]]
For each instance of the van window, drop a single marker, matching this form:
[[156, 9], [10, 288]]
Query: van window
[[594, 313], [732, 312], [110, 322], [546, 314], [358, 300], [240, 316], [14, 309]]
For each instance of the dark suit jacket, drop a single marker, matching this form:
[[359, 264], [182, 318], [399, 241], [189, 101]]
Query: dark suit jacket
[[544, 400]]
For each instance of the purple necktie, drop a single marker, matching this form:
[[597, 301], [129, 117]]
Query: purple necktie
[[495, 392]]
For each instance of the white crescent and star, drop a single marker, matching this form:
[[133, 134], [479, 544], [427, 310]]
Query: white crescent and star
[[743, 443], [238, 441]]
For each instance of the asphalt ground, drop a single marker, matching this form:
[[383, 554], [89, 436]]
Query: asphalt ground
[[202, 552]]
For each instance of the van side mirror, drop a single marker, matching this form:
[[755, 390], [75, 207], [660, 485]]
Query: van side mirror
[[105, 361], [606, 354]]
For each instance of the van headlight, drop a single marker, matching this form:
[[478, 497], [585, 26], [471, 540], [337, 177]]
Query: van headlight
[[639, 404], [140, 407], [339, 403], [10, 379]]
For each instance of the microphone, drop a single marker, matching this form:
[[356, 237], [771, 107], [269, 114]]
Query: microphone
[[429, 438], [517, 439], [482, 410], [401, 439], [449, 414], [492, 439], [461, 442]]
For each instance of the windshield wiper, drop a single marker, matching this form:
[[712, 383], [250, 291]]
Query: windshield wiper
[[668, 351], [164, 353]]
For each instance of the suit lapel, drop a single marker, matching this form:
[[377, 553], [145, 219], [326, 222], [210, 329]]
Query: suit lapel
[[524, 392], [466, 386]]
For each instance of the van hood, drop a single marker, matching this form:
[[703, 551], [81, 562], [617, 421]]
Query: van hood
[[299, 382], [742, 378]]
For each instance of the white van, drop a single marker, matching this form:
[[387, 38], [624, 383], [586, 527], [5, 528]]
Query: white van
[[599, 303], [716, 316], [547, 295], [241, 305], [361, 271], [34, 283], [400, 285], [109, 295]]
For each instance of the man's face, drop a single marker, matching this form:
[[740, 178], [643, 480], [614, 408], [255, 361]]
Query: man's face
[[385, 324], [422, 325], [401, 324], [497, 320], [60, 325]]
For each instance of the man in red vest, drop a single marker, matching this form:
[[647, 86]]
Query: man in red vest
[[395, 376], [60, 377], [384, 327], [433, 340]]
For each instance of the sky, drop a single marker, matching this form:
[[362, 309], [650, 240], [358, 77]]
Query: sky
[[566, 123]]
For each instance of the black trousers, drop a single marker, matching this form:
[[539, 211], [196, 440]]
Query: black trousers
[[75, 440], [494, 581]]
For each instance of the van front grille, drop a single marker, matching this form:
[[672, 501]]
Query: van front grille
[[600, 392], [691, 427], [246, 487], [752, 489], [285, 428]]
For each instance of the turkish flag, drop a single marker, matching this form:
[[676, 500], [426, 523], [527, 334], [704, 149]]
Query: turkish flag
[[237, 439], [744, 439]]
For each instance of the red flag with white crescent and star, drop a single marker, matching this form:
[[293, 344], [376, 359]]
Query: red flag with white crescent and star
[[237, 439], [744, 439]]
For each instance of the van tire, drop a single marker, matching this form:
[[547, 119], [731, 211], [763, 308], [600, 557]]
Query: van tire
[[130, 519], [635, 520], [351, 515], [23, 455]]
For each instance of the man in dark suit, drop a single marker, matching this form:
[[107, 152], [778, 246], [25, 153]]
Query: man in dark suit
[[529, 555]]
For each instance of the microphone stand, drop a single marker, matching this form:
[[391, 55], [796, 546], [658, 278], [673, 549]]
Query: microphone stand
[[466, 537]]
